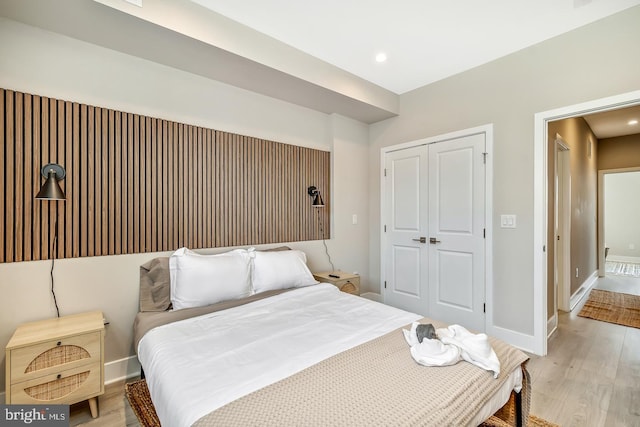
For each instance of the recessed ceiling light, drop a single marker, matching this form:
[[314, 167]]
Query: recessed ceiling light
[[632, 122], [381, 57]]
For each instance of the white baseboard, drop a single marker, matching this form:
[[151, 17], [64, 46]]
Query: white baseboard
[[517, 339], [620, 258], [372, 296], [522, 341], [583, 290], [119, 370]]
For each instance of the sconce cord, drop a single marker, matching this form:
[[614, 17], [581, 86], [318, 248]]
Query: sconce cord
[[53, 260], [324, 242]]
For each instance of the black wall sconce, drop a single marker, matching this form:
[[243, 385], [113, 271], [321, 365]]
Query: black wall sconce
[[317, 199], [318, 203], [51, 191]]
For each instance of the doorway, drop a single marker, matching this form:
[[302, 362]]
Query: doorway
[[541, 121], [434, 209], [618, 227]]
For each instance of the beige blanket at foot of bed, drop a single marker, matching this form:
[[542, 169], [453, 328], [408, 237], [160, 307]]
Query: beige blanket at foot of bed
[[376, 383]]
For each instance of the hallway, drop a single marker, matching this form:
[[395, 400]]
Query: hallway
[[624, 284], [591, 374]]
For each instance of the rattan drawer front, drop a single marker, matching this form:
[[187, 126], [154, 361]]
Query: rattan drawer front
[[50, 357], [350, 286], [67, 386], [349, 283], [341, 283]]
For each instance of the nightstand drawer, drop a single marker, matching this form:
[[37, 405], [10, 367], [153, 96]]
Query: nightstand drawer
[[349, 283], [52, 357], [350, 286], [342, 282], [66, 386]]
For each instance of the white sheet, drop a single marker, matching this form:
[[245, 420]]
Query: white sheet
[[203, 363]]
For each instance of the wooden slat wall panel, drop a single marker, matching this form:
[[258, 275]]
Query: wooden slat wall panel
[[9, 180], [140, 184], [3, 161]]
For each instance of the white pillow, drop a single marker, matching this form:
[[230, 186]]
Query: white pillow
[[280, 270], [198, 280]]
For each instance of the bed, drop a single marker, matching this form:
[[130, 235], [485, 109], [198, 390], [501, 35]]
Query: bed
[[291, 351]]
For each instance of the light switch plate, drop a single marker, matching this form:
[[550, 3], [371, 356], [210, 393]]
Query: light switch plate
[[507, 221]]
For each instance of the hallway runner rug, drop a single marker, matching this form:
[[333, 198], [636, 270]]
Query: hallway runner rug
[[612, 307], [138, 396]]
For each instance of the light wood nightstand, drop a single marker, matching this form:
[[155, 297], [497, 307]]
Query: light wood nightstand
[[57, 361], [346, 282]]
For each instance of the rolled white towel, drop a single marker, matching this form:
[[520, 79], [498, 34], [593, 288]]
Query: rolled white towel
[[435, 353], [474, 348], [430, 352], [410, 336]]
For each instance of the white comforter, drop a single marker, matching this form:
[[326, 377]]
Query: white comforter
[[198, 365]]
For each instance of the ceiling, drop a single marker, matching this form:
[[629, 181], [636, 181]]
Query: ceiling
[[424, 40], [610, 124], [319, 55]]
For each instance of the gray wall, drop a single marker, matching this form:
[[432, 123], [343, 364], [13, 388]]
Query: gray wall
[[589, 63]]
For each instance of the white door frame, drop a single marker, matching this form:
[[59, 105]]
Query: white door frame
[[488, 271], [601, 196], [563, 227], [540, 202]]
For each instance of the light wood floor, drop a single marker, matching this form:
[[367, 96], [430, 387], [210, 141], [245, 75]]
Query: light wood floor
[[590, 377], [591, 374], [114, 409]]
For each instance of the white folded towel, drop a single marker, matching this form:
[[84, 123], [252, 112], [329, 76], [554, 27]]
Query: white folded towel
[[411, 336], [454, 343], [430, 352], [474, 348]]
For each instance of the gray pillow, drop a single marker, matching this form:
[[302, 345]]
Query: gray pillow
[[155, 285]]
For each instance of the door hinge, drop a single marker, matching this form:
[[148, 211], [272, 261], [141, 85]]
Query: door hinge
[[484, 158], [385, 228], [544, 248], [484, 307], [385, 284], [385, 171], [484, 233]]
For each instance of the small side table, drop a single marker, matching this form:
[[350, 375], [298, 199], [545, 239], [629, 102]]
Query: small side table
[[346, 282], [57, 361]]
